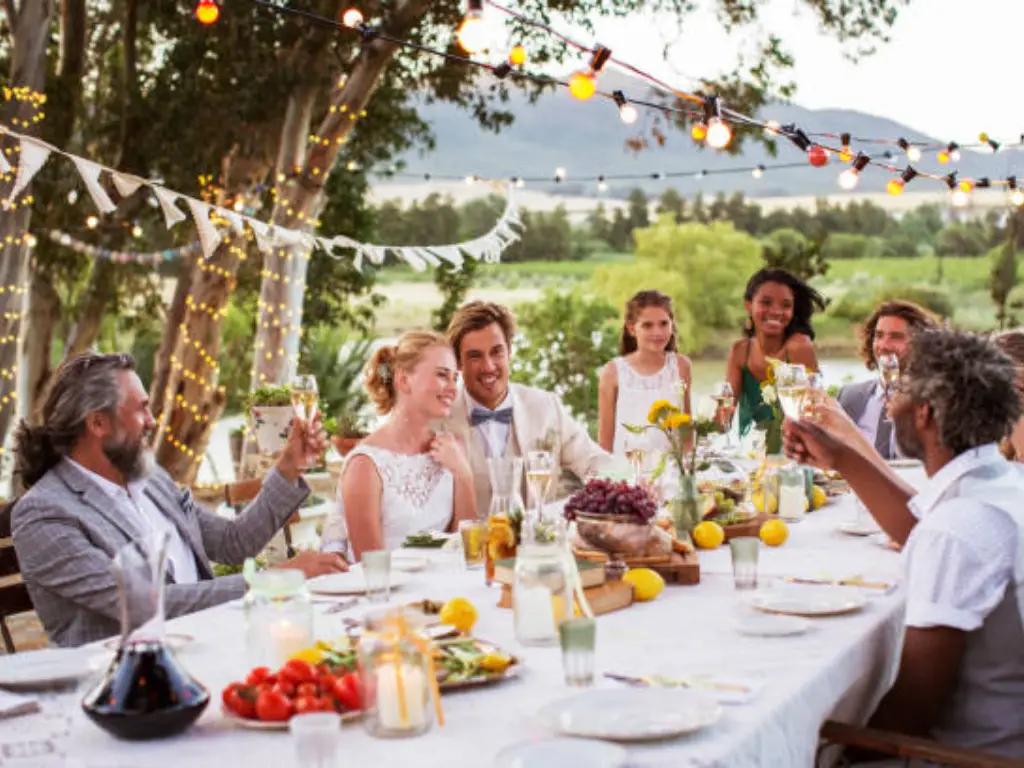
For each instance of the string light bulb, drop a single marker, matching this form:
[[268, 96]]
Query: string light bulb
[[559, 174], [719, 134], [846, 154], [627, 112], [517, 56], [772, 127], [912, 152], [849, 178], [473, 33], [758, 172], [582, 85], [817, 156], [92, 222], [136, 231], [1017, 197], [699, 131], [207, 12], [602, 185], [352, 18], [895, 186]]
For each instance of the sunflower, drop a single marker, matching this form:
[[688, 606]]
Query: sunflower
[[675, 420], [660, 408]]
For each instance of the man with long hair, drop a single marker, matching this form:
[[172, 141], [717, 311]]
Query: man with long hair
[[94, 488]]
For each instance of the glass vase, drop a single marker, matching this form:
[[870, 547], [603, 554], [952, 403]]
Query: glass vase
[[684, 507]]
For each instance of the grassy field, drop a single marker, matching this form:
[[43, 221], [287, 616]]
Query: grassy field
[[412, 295]]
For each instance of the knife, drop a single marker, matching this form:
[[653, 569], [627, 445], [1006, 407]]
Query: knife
[[841, 582], [676, 683]]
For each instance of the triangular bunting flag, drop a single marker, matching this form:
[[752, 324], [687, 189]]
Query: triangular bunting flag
[[234, 219], [126, 184], [264, 234], [208, 234], [357, 260], [90, 173], [376, 253], [449, 253], [33, 156], [340, 241], [427, 256], [172, 213], [5, 167], [410, 257]]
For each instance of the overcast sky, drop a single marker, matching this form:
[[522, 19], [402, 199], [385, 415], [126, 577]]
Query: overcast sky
[[951, 70]]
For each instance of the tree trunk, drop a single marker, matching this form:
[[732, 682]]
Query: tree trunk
[[284, 281], [43, 317], [169, 338], [29, 35]]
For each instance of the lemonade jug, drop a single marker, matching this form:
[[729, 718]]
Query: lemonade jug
[[542, 588], [506, 511]]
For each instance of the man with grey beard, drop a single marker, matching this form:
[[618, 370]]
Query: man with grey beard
[[93, 488]]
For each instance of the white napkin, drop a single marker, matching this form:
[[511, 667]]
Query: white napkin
[[14, 704]]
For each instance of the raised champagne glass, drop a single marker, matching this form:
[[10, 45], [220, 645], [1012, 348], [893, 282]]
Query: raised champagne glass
[[305, 403], [888, 373], [725, 408], [540, 475], [791, 385]]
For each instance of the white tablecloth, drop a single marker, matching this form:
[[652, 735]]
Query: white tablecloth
[[840, 668]]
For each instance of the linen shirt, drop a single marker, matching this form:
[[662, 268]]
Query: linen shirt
[[493, 434], [134, 502]]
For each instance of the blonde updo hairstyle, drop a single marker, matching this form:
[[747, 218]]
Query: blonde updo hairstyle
[[387, 361]]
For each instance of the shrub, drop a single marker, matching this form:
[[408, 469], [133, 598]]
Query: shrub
[[855, 305]]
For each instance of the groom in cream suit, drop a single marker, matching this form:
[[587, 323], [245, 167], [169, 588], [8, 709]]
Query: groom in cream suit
[[495, 418]]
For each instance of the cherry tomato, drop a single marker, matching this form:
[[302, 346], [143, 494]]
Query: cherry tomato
[[305, 704], [285, 688], [298, 671], [258, 675], [240, 699], [271, 706], [324, 704], [347, 691], [307, 689]]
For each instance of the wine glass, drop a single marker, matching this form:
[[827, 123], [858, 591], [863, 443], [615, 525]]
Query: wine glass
[[791, 385], [888, 373], [816, 394], [725, 409], [540, 474], [636, 451], [305, 403]]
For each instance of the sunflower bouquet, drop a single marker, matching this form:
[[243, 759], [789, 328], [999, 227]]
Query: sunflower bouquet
[[768, 416]]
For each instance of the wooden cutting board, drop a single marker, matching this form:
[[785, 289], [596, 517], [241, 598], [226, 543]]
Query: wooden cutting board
[[608, 597]]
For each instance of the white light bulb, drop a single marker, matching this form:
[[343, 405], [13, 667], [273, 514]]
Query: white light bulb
[[352, 18], [92, 222], [628, 114], [473, 33], [913, 154], [520, 183], [1017, 197], [470, 180], [30, 241], [560, 173], [72, 197], [239, 205], [719, 133], [772, 127], [602, 186], [848, 179], [352, 165], [136, 231], [954, 156], [757, 173], [959, 198]]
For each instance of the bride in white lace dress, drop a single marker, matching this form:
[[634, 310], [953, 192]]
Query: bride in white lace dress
[[405, 477]]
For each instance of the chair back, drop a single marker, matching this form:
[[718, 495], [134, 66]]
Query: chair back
[[14, 597]]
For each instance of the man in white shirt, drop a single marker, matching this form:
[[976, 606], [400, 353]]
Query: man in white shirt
[[495, 418], [93, 488], [887, 331], [961, 675]]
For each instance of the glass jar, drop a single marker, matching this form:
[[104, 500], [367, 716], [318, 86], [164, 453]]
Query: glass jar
[[398, 678], [279, 617], [542, 587], [792, 493], [505, 513]]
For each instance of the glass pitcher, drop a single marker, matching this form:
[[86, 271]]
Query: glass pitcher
[[278, 614], [145, 693], [505, 515], [542, 589]]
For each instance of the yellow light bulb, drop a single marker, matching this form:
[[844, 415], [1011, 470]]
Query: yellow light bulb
[[517, 57], [92, 222], [582, 85], [473, 33], [943, 157], [699, 131], [207, 12], [719, 133], [894, 187], [966, 186], [846, 155]]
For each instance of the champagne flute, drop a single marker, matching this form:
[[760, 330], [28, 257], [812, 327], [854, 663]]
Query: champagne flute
[[540, 474], [305, 403], [791, 385], [725, 409], [888, 373], [816, 394], [636, 452]]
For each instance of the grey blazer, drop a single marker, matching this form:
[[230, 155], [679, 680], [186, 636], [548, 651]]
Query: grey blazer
[[854, 400], [66, 533]]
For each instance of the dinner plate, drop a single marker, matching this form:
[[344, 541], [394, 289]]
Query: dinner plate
[[46, 668], [634, 714], [173, 641], [409, 562], [859, 527], [809, 601], [770, 625], [882, 539], [280, 725], [350, 583], [558, 753]]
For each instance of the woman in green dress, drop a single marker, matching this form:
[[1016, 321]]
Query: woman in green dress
[[779, 308]]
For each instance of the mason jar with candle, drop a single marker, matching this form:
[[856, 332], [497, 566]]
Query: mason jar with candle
[[279, 617], [792, 493], [542, 589], [398, 678]]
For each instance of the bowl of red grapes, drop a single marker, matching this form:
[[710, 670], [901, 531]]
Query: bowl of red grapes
[[614, 499]]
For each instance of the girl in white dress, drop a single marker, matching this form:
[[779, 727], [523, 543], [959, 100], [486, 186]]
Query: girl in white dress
[[405, 477], [648, 369]]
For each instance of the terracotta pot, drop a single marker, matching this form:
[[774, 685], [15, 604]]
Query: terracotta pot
[[343, 445]]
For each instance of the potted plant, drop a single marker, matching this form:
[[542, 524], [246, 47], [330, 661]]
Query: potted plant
[[348, 432], [269, 413]]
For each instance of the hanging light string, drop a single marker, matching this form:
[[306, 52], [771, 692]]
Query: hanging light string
[[582, 85]]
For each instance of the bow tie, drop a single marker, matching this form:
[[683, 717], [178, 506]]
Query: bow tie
[[482, 416]]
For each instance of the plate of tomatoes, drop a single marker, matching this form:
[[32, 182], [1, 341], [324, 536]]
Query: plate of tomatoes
[[267, 700]]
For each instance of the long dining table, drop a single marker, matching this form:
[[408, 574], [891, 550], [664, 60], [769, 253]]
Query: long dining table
[[838, 669]]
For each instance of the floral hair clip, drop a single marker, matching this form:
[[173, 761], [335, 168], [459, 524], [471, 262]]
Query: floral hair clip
[[384, 371]]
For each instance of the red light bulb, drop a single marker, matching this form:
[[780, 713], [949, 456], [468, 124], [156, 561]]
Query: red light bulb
[[817, 156]]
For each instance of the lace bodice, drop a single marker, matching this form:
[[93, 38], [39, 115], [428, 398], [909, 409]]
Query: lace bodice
[[418, 495], [636, 395]]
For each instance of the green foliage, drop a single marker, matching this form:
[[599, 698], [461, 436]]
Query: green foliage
[[237, 339], [703, 267], [337, 358], [453, 283], [792, 251], [844, 246], [855, 306], [268, 397], [564, 340], [963, 239], [1003, 278]]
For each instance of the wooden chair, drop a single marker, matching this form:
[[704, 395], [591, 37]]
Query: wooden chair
[[237, 495], [906, 747], [14, 597]]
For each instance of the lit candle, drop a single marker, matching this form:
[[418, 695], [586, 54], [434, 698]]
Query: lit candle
[[535, 614], [412, 683], [288, 638]]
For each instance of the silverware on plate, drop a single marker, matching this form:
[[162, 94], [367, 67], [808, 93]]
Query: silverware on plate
[[668, 682]]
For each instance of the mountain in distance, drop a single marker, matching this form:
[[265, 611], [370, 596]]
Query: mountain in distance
[[588, 140]]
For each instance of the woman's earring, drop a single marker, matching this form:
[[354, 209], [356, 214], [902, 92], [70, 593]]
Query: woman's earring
[[749, 325]]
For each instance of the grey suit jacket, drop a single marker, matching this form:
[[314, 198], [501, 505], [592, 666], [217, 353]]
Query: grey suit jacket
[[66, 532], [854, 400]]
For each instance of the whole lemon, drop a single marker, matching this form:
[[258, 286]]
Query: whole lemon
[[647, 584], [818, 497], [771, 508], [709, 535], [312, 655], [774, 533], [459, 613]]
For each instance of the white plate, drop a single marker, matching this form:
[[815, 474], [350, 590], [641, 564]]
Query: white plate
[[770, 625], [409, 562], [173, 641], [882, 540], [634, 714], [280, 725], [350, 583], [809, 601], [558, 753], [859, 527], [47, 668]]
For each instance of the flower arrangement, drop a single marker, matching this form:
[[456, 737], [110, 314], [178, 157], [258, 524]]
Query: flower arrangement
[[769, 417]]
